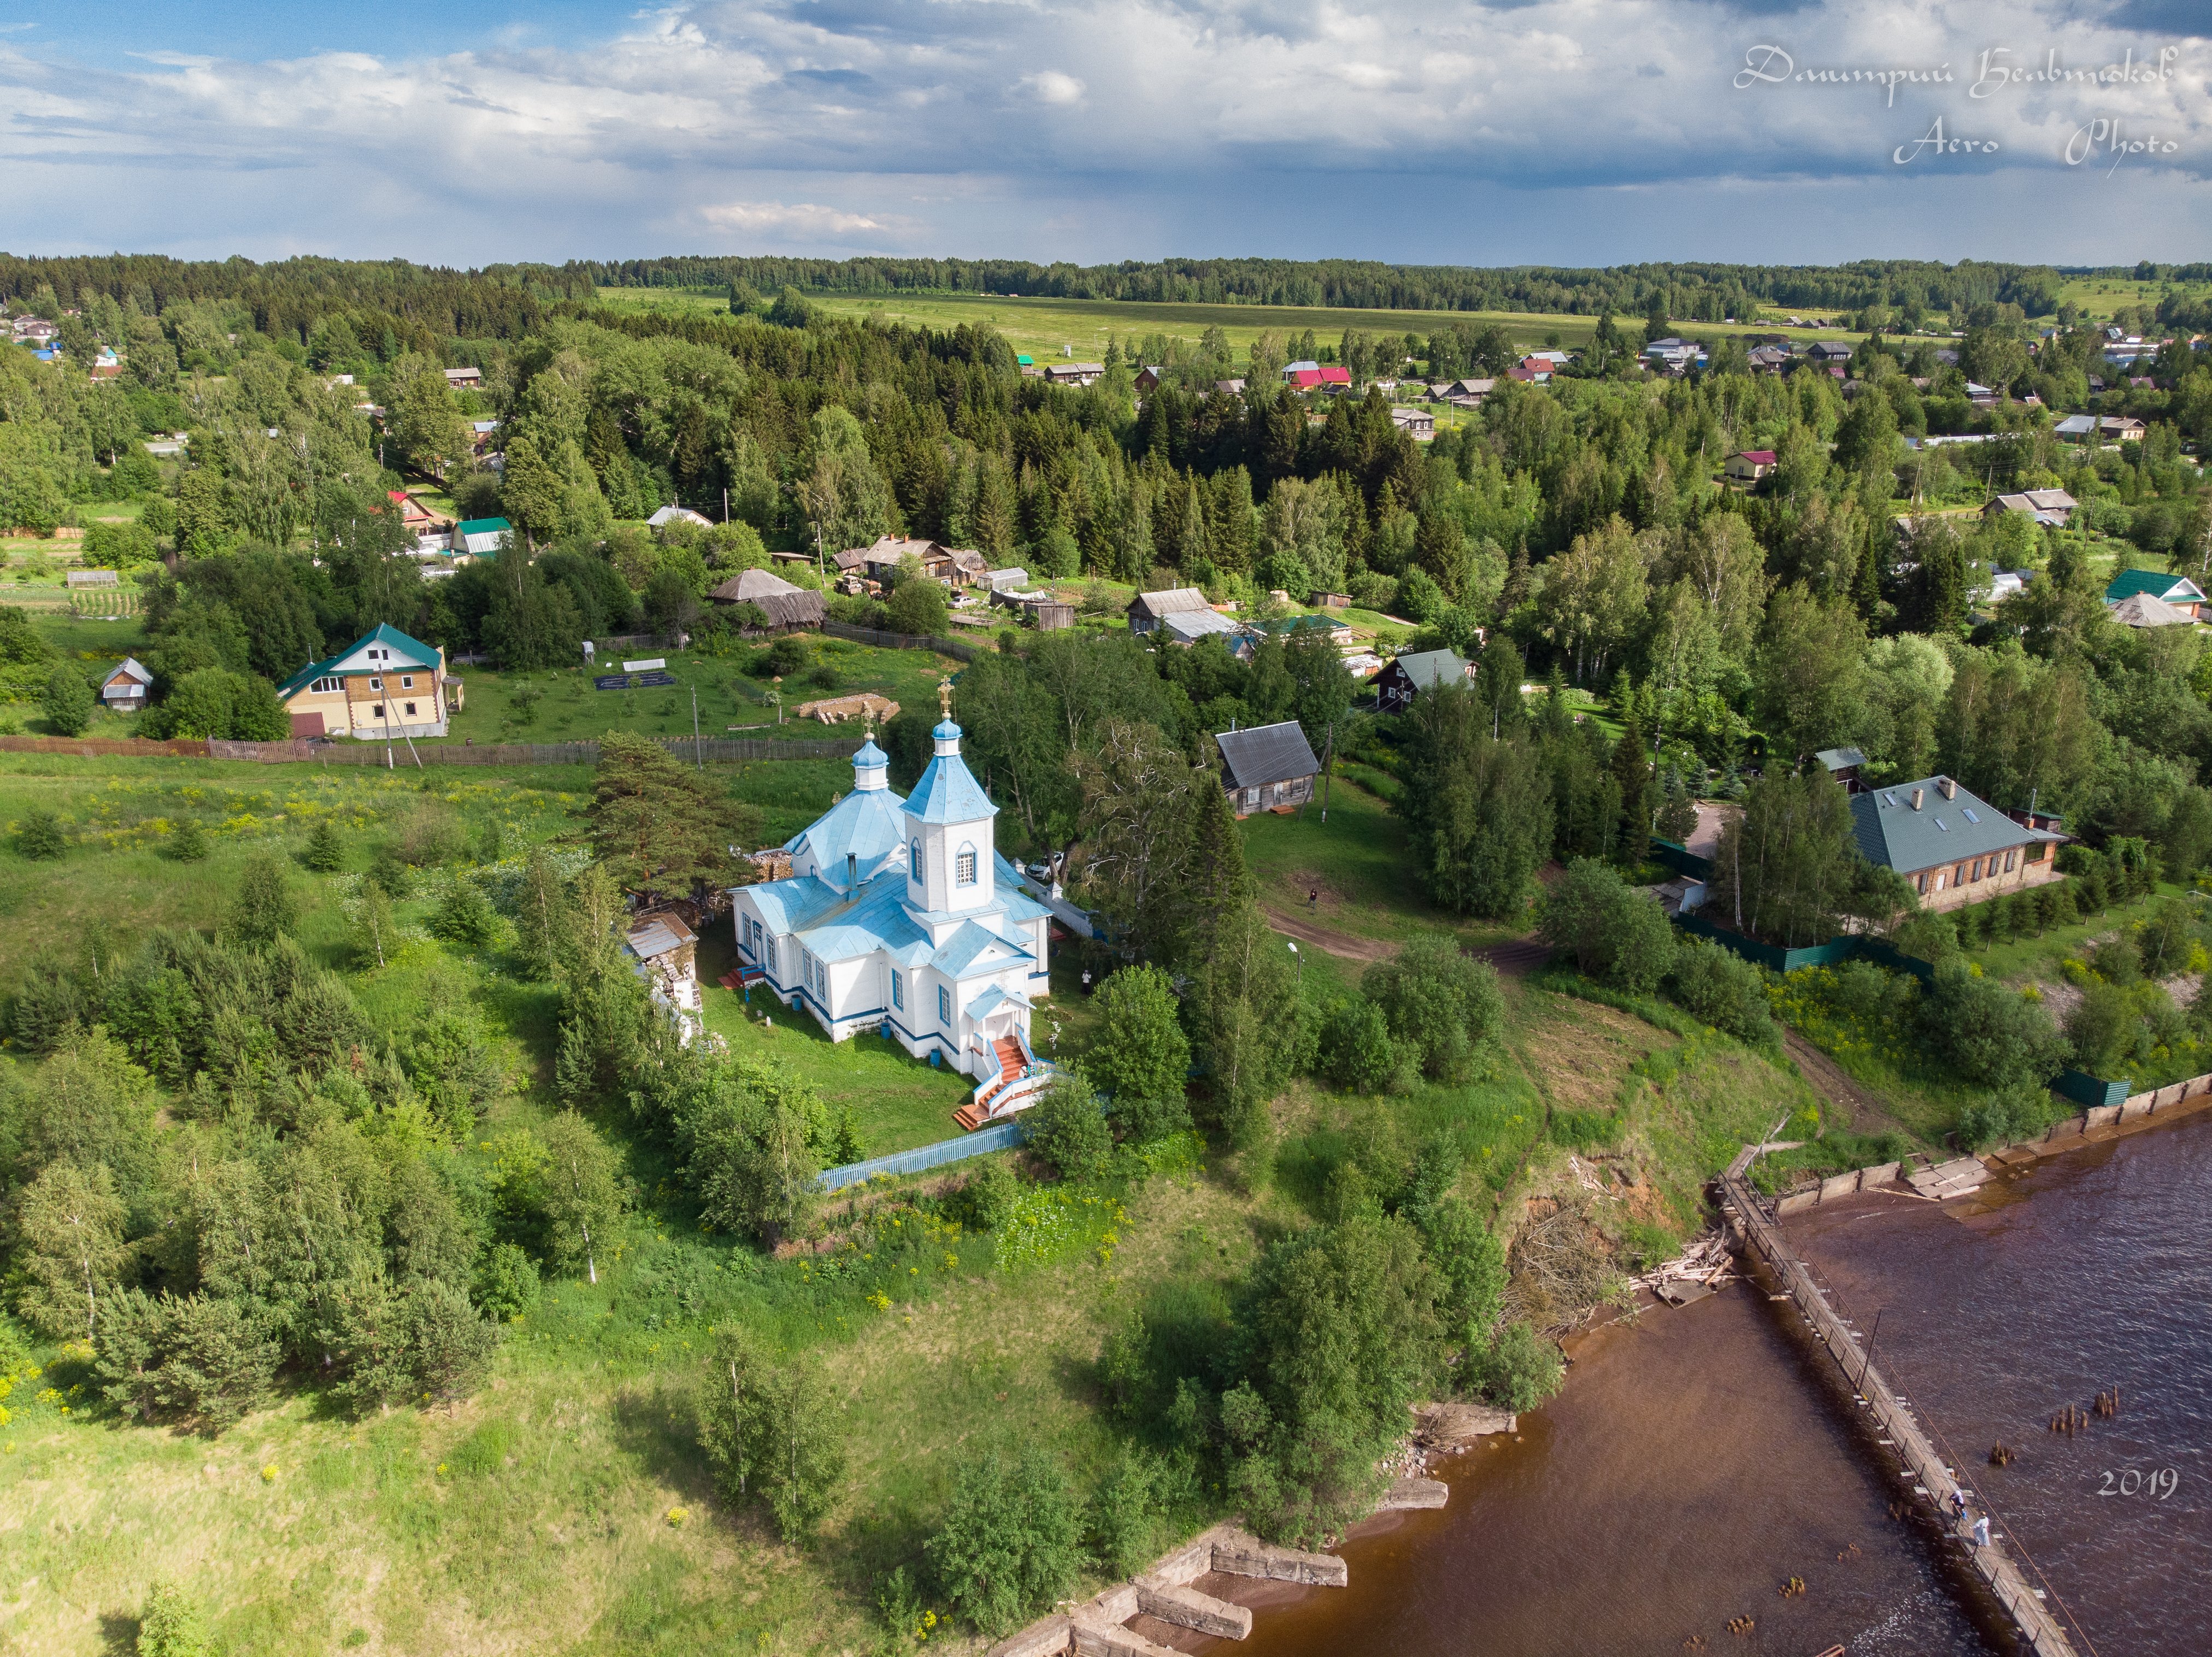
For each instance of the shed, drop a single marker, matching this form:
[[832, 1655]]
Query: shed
[[1842, 765], [1404, 678], [481, 537], [2050, 507], [1267, 768], [1146, 609], [678, 514], [125, 686]]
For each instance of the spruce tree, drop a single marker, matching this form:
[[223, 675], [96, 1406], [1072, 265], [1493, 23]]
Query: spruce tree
[[263, 909], [326, 852]]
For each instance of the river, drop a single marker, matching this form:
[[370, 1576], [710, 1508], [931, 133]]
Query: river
[[1696, 1459]]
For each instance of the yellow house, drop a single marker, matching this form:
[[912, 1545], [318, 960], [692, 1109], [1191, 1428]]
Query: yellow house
[[383, 684]]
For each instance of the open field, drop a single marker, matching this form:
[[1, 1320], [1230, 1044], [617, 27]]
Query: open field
[[1044, 328], [2100, 297]]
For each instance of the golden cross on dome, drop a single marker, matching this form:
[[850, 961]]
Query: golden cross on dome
[[945, 697]]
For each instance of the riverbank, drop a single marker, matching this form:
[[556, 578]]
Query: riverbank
[[1689, 1467]]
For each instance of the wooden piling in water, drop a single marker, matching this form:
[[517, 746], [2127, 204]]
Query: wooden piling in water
[[1749, 1220]]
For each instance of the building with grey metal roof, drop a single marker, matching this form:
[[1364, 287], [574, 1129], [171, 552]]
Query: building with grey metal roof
[[1267, 768], [1956, 847]]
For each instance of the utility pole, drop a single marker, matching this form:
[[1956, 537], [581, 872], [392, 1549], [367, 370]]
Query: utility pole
[[698, 760], [1328, 752]]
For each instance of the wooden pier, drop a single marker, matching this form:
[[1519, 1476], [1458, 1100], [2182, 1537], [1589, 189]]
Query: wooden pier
[[1748, 1219]]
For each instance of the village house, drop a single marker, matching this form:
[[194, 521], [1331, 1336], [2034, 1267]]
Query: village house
[[1075, 373], [1312, 376], [1768, 359], [414, 516], [1266, 768], [1403, 679], [788, 608], [884, 558], [2178, 591], [1419, 426], [463, 379], [383, 684], [125, 686], [1147, 609], [900, 918], [1842, 765], [1828, 352], [2052, 507], [1749, 466], [1151, 377], [678, 514], [1954, 848]]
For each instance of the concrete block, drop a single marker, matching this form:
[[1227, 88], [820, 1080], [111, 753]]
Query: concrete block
[[2098, 1116], [2143, 1104], [1186, 1563], [1797, 1202], [1839, 1185], [1052, 1635], [1115, 1604], [1882, 1173], [1097, 1639], [1186, 1608], [1241, 1554], [1409, 1493]]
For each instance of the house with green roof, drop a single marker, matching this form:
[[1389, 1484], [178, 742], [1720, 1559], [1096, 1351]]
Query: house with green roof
[[481, 537], [2178, 591], [1954, 848], [383, 685]]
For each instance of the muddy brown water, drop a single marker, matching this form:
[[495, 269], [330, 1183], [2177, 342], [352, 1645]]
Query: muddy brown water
[[1697, 1458], [1687, 1470]]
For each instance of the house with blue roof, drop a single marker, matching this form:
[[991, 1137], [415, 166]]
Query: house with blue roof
[[382, 685], [899, 917]]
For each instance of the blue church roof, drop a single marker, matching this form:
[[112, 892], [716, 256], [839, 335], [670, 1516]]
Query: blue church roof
[[949, 792], [867, 822]]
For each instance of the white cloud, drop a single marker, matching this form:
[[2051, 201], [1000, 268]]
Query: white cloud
[[805, 219], [1051, 87], [810, 120]]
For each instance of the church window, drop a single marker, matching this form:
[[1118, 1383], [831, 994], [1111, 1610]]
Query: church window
[[944, 1006], [898, 993], [914, 860], [963, 867]]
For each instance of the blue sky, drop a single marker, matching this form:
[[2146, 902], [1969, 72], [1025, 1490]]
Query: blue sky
[[1581, 131]]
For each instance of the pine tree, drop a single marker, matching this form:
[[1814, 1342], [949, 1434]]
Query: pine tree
[[1631, 768], [326, 852], [265, 908], [1219, 883]]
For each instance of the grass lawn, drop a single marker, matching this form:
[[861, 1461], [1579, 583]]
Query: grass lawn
[[2030, 960], [1042, 327], [732, 702], [897, 1100]]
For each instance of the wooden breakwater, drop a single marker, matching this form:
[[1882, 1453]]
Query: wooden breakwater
[[1756, 1230]]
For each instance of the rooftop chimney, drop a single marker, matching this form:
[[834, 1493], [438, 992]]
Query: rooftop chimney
[[852, 870], [1949, 788], [1918, 794]]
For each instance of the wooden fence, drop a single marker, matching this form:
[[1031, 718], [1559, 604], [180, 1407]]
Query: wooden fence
[[94, 748], [710, 750], [944, 647]]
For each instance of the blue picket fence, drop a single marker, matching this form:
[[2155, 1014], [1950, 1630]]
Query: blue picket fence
[[999, 1136]]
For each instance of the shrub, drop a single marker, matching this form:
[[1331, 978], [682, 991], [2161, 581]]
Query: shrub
[[2101, 1029], [785, 657], [188, 841], [465, 918], [1008, 1546], [1615, 933], [1124, 1518], [1442, 1006], [2166, 939], [1068, 1130], [68, 701], [170, 1626], [1723, 989], [987, 1196], [389, 873], [1517, 1371], [39, 835], [1993, 1037], [507, 1281], [1356, 1051], [917, 608]]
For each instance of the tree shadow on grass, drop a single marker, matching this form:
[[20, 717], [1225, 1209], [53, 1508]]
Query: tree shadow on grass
[[653, 1425], [119, 1633]]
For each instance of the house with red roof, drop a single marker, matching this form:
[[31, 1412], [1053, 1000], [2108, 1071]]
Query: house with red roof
[[1750, 464], [413, 515], [1311, 376]]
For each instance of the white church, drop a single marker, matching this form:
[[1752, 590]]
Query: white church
[[900, 916]]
